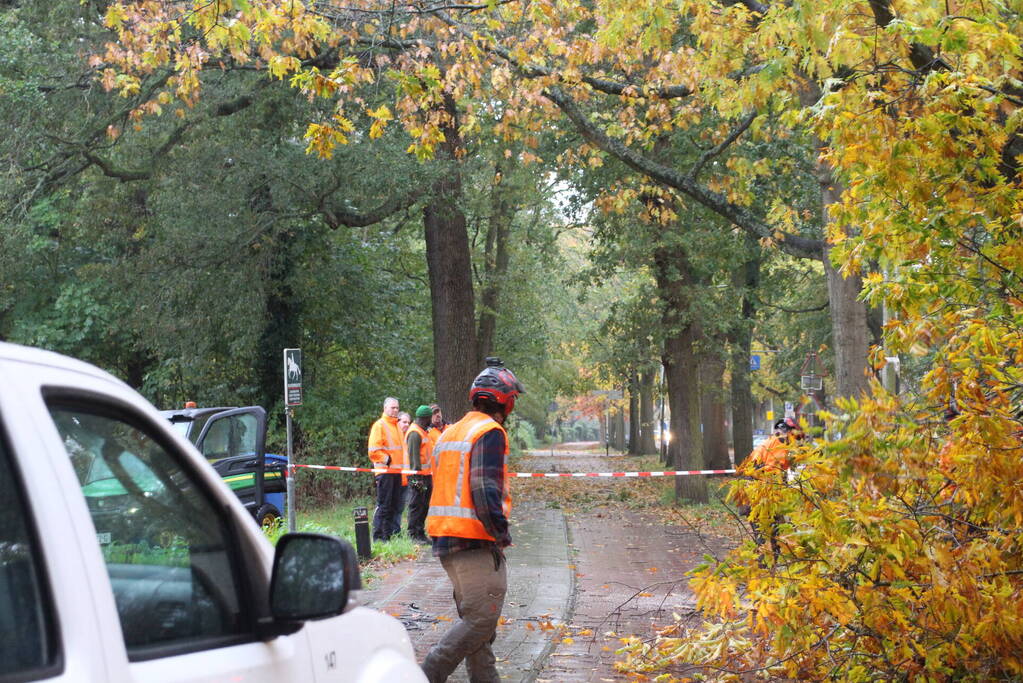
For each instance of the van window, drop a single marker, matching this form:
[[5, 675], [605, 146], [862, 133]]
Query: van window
[[166, 544], [229, 437], [28, 645]]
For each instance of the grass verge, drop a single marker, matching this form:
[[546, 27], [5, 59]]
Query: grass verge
[[339, 520]]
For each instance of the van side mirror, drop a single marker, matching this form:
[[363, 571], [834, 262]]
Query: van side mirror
[[313, 575]]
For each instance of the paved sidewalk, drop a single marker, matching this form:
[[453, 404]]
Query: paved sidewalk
[[539, 595], [630, 580], [579, 577], [629, 571]]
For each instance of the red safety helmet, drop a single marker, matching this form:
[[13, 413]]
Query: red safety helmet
[[498, 384], [788, 424]]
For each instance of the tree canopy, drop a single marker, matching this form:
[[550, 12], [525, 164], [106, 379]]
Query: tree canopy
[[829, 177]]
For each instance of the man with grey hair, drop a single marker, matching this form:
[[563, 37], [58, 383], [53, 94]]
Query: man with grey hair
[[386, 449]]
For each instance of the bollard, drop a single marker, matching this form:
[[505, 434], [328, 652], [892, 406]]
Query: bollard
[[362, 545]]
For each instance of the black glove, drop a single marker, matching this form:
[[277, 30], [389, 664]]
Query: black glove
[[498, 557]]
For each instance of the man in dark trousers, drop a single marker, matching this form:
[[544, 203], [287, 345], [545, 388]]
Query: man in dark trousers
[[419, 448], [468, 521], [386, 449]]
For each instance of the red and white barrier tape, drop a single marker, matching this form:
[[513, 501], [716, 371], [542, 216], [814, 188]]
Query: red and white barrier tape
[[537, 475]]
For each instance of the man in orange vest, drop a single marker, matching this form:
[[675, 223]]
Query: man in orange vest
[[468, 521], [773, 460], [773, 454], [419, 447], [387, 449]]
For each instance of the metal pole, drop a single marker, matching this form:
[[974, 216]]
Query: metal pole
[[888, 373], [362, 543], [291, 474]]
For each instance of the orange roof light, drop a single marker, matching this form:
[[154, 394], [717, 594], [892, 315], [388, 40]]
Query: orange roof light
[[190, 404]]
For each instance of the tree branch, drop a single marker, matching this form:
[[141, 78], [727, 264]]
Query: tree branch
[[233, 106], [345, 216], [752, 5], [609, 87], [111, 171], [771, 390], [796, 245], [713, 152], [793, 311]]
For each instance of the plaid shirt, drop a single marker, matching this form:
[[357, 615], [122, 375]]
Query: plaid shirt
[[486, 482]]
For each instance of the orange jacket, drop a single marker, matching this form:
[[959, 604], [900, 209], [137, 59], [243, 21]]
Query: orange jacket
[[773, 455], [425, 448], [452, 512], [386, 446]]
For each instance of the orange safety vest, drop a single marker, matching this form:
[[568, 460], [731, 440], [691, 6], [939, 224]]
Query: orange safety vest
[[425, 448], [385, 440], [772, 455], [452, 512]]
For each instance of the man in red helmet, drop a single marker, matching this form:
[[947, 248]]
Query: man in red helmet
[[772, 459], [468, 520], [773, 454]]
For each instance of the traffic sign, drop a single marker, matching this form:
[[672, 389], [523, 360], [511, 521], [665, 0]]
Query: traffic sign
[[293, 377], [754, 362]]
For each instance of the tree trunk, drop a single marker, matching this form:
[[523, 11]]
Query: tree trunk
[[451, 292], [281, 327], [647, 418], [496, 260], [634, 414], [849, 329], [619, 426], [681, 370], [712, 411], [746, 279]]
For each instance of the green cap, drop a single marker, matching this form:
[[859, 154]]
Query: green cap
[[423, 411]]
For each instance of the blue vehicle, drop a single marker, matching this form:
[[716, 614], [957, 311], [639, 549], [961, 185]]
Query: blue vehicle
[[234, 442]]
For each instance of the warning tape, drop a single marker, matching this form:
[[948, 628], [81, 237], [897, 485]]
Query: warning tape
[[536, 475]]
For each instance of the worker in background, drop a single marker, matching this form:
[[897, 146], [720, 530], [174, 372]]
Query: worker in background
[[769, 462], [419, 447], [404, 420], [468, 521], [386, 449], [773, 454], [437, 422]]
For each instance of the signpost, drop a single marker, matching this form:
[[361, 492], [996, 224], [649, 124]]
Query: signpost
[[754, 362], [292, 397], [293, 377]]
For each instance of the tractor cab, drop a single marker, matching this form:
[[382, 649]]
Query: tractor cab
[[233, 440]]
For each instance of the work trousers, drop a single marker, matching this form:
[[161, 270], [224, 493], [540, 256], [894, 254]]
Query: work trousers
[[480, 581], [390, 504], [418, 506]]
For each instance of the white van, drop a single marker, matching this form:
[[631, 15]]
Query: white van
[[125, 558]]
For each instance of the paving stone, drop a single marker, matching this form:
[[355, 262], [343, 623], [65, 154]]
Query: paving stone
[[577, 582], [539, 592]]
